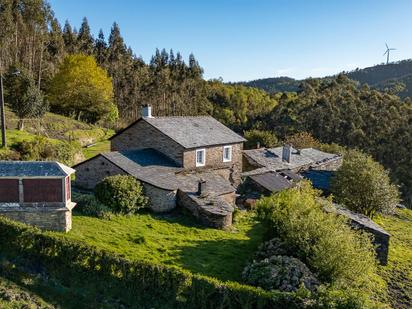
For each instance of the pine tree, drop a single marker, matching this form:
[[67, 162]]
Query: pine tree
[[85, 39], [70, 38], [100, 49]]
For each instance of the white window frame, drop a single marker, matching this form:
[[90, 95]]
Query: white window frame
[[203, 163], [230, 153]]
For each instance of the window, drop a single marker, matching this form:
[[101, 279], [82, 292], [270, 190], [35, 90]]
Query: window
[[227, 153], [200, 157]]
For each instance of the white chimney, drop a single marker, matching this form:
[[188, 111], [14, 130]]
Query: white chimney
[[147, 111], [287, 153]]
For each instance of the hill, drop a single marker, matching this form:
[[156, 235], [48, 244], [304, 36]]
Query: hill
[[395, 76], [53, 137]]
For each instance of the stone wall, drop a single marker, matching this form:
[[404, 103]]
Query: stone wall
[[48, 218], [160, 200], [360, 222], [143, 135], [214, 162], [90, 173], [213, 211]]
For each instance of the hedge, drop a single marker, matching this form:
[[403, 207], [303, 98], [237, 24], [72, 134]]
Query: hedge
[[136, 283]]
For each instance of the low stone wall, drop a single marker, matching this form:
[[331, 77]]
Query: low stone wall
[[160, 200], [47, 218], [358, 221], [212, 211]]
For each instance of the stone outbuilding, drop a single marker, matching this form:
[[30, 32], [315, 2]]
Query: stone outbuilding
[[37, 193]]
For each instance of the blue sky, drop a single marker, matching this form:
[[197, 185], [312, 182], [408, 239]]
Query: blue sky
[[246, 39]]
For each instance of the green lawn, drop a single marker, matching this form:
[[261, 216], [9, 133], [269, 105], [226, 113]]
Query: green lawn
[[174, 239], [103, 146], [398, 273]]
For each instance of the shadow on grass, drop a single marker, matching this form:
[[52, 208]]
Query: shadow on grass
[[223, 259]]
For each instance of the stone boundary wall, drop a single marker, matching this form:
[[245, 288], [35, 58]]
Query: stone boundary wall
[[48, 218]]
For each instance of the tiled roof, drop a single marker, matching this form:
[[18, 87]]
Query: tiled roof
[[34, 169], [193, 132], [271, 158]]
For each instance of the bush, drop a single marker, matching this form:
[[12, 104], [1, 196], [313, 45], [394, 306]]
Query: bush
[[363, 185], [41, 148], [121, 193], [264, 138], [281, 273], [335, 253], [272, 247], [88, 205], [302, 140]]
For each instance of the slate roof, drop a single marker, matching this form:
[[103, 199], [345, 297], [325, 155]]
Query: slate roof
[[147, 165], [320, 179], [272, 181], [193, 131], [271, 158], [152, 167], [34, 169]]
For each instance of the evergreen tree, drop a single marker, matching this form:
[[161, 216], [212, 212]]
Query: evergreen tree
[[70, 38], [100, 49], [85, 41]]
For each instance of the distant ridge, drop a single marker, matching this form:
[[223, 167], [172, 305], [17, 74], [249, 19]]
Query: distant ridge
[[395, 76]]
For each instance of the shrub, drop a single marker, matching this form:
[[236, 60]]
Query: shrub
[[281, 273], [41, 148], [270, 248], [264, 138], [88, 205], [302, 140], [363, 185], [121, 193], [335, 253]]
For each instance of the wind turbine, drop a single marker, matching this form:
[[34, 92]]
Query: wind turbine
[[387, 52]]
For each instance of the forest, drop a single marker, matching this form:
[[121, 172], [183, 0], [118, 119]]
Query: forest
[[52, 58]]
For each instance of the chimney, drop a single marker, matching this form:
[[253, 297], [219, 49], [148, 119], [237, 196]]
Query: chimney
[[147, 111], [287, 153], [257, 145], [201, 187]]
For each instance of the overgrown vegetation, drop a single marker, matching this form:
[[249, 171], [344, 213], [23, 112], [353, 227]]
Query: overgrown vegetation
[[363, 185], [121, 193], [338, 256], [259, 138]]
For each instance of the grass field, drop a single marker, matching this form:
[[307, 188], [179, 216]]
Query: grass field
[[398, 273], [103, 146], [174, 239]]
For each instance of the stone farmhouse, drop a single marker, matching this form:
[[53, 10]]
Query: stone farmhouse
[[37, 193], [194, 162]]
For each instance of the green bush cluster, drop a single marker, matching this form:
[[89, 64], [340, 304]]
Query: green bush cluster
[[88, 205], [121, 193], [40, 148], [339, 256], [363, 185], [135, 283], [263, 138]]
